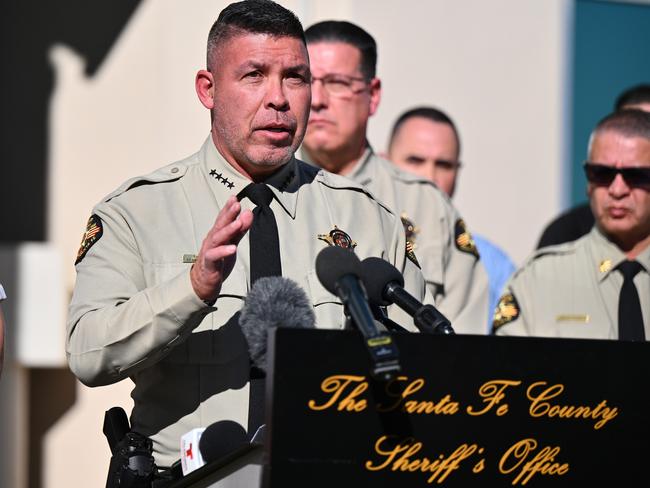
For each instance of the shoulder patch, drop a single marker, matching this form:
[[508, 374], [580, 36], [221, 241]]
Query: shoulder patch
[[93, 232], [463, 239], [411, 255], [506, 311]]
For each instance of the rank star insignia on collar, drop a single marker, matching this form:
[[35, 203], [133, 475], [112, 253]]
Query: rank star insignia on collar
[[224, 180], [605, 266], [339, 238]]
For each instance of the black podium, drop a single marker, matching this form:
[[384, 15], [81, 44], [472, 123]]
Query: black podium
[[464, 411]]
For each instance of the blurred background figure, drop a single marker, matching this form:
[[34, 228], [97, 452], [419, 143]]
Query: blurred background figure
[[425, 141], [345, 94], [599, 285], [578, 221]]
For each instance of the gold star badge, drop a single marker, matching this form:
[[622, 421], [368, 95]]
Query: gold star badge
[[339, 238]]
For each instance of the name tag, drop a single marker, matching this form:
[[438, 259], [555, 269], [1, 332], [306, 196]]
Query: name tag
[[582, 318]]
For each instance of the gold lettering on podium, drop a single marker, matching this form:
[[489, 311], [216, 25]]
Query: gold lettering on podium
[[541, 407], [400, 457], [335, 386], [492, 393], [543, 462]]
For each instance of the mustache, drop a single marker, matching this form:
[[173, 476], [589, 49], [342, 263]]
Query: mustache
[[281, 121]]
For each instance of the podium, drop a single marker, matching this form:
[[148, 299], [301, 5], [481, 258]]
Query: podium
[[464, 411]]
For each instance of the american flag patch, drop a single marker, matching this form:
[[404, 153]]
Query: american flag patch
[[91, 236]]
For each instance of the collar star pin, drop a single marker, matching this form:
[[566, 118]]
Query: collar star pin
[[339, 238], [605, 266]]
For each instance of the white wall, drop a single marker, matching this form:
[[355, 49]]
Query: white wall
[[496, 66]]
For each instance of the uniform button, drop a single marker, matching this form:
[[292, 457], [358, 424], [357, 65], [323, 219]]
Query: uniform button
[[174, 170]]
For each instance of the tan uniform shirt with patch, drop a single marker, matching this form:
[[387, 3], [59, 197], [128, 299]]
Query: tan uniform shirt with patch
[[571, 290], [444, 248], [134, 312]]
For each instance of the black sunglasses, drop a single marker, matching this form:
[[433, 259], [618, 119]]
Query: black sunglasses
[[603, 175]]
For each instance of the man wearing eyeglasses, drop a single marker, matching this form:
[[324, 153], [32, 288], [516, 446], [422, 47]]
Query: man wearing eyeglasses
[[345, 94], [598, 286]]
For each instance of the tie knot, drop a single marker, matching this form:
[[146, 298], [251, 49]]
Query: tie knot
[[258, 193], [629, 269]]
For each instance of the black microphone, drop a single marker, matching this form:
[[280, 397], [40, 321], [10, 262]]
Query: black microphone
[[220, 439], [339, 271], [385, 285], [273, 301]]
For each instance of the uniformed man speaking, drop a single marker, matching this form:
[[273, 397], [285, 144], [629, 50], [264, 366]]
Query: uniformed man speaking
[[167, 258], [597, 286]]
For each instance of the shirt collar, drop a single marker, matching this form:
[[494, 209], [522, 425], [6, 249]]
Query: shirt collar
[[224, 180], [363, 172]]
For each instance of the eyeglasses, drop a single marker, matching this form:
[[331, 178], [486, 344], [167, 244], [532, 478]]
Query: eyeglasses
[[603, 175], [339, 85]]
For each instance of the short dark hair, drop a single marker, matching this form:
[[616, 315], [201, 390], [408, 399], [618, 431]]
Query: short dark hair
[[431, 113], [348, 33], [633, 96], [628, 122], [256, 17]]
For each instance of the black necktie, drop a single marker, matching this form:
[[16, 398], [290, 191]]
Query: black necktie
[[630, 318], [263, 234]]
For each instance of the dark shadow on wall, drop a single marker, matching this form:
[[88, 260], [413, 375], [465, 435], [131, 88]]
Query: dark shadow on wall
[[27, 30], [52, 391]]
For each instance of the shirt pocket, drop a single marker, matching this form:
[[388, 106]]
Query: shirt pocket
[[328, 308]]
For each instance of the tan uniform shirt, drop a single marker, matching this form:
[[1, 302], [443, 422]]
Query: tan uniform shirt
[[442, 244], [571, 290], [134, 312]]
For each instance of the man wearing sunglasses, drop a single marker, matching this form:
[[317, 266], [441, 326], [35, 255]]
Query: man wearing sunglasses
[[577, 221], [598, 286], [345, 94]]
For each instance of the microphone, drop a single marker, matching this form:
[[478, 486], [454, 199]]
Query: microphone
[[385, 285], [203, 445], [273, 301], [339, 271], [220, 439]]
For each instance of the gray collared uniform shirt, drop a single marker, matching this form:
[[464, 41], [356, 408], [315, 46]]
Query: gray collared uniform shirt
[[443, 246], [134, 312], [571, 290]]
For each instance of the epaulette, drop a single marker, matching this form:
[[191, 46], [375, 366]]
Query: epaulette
[[167, 173], [563, 249], [338, 182]]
